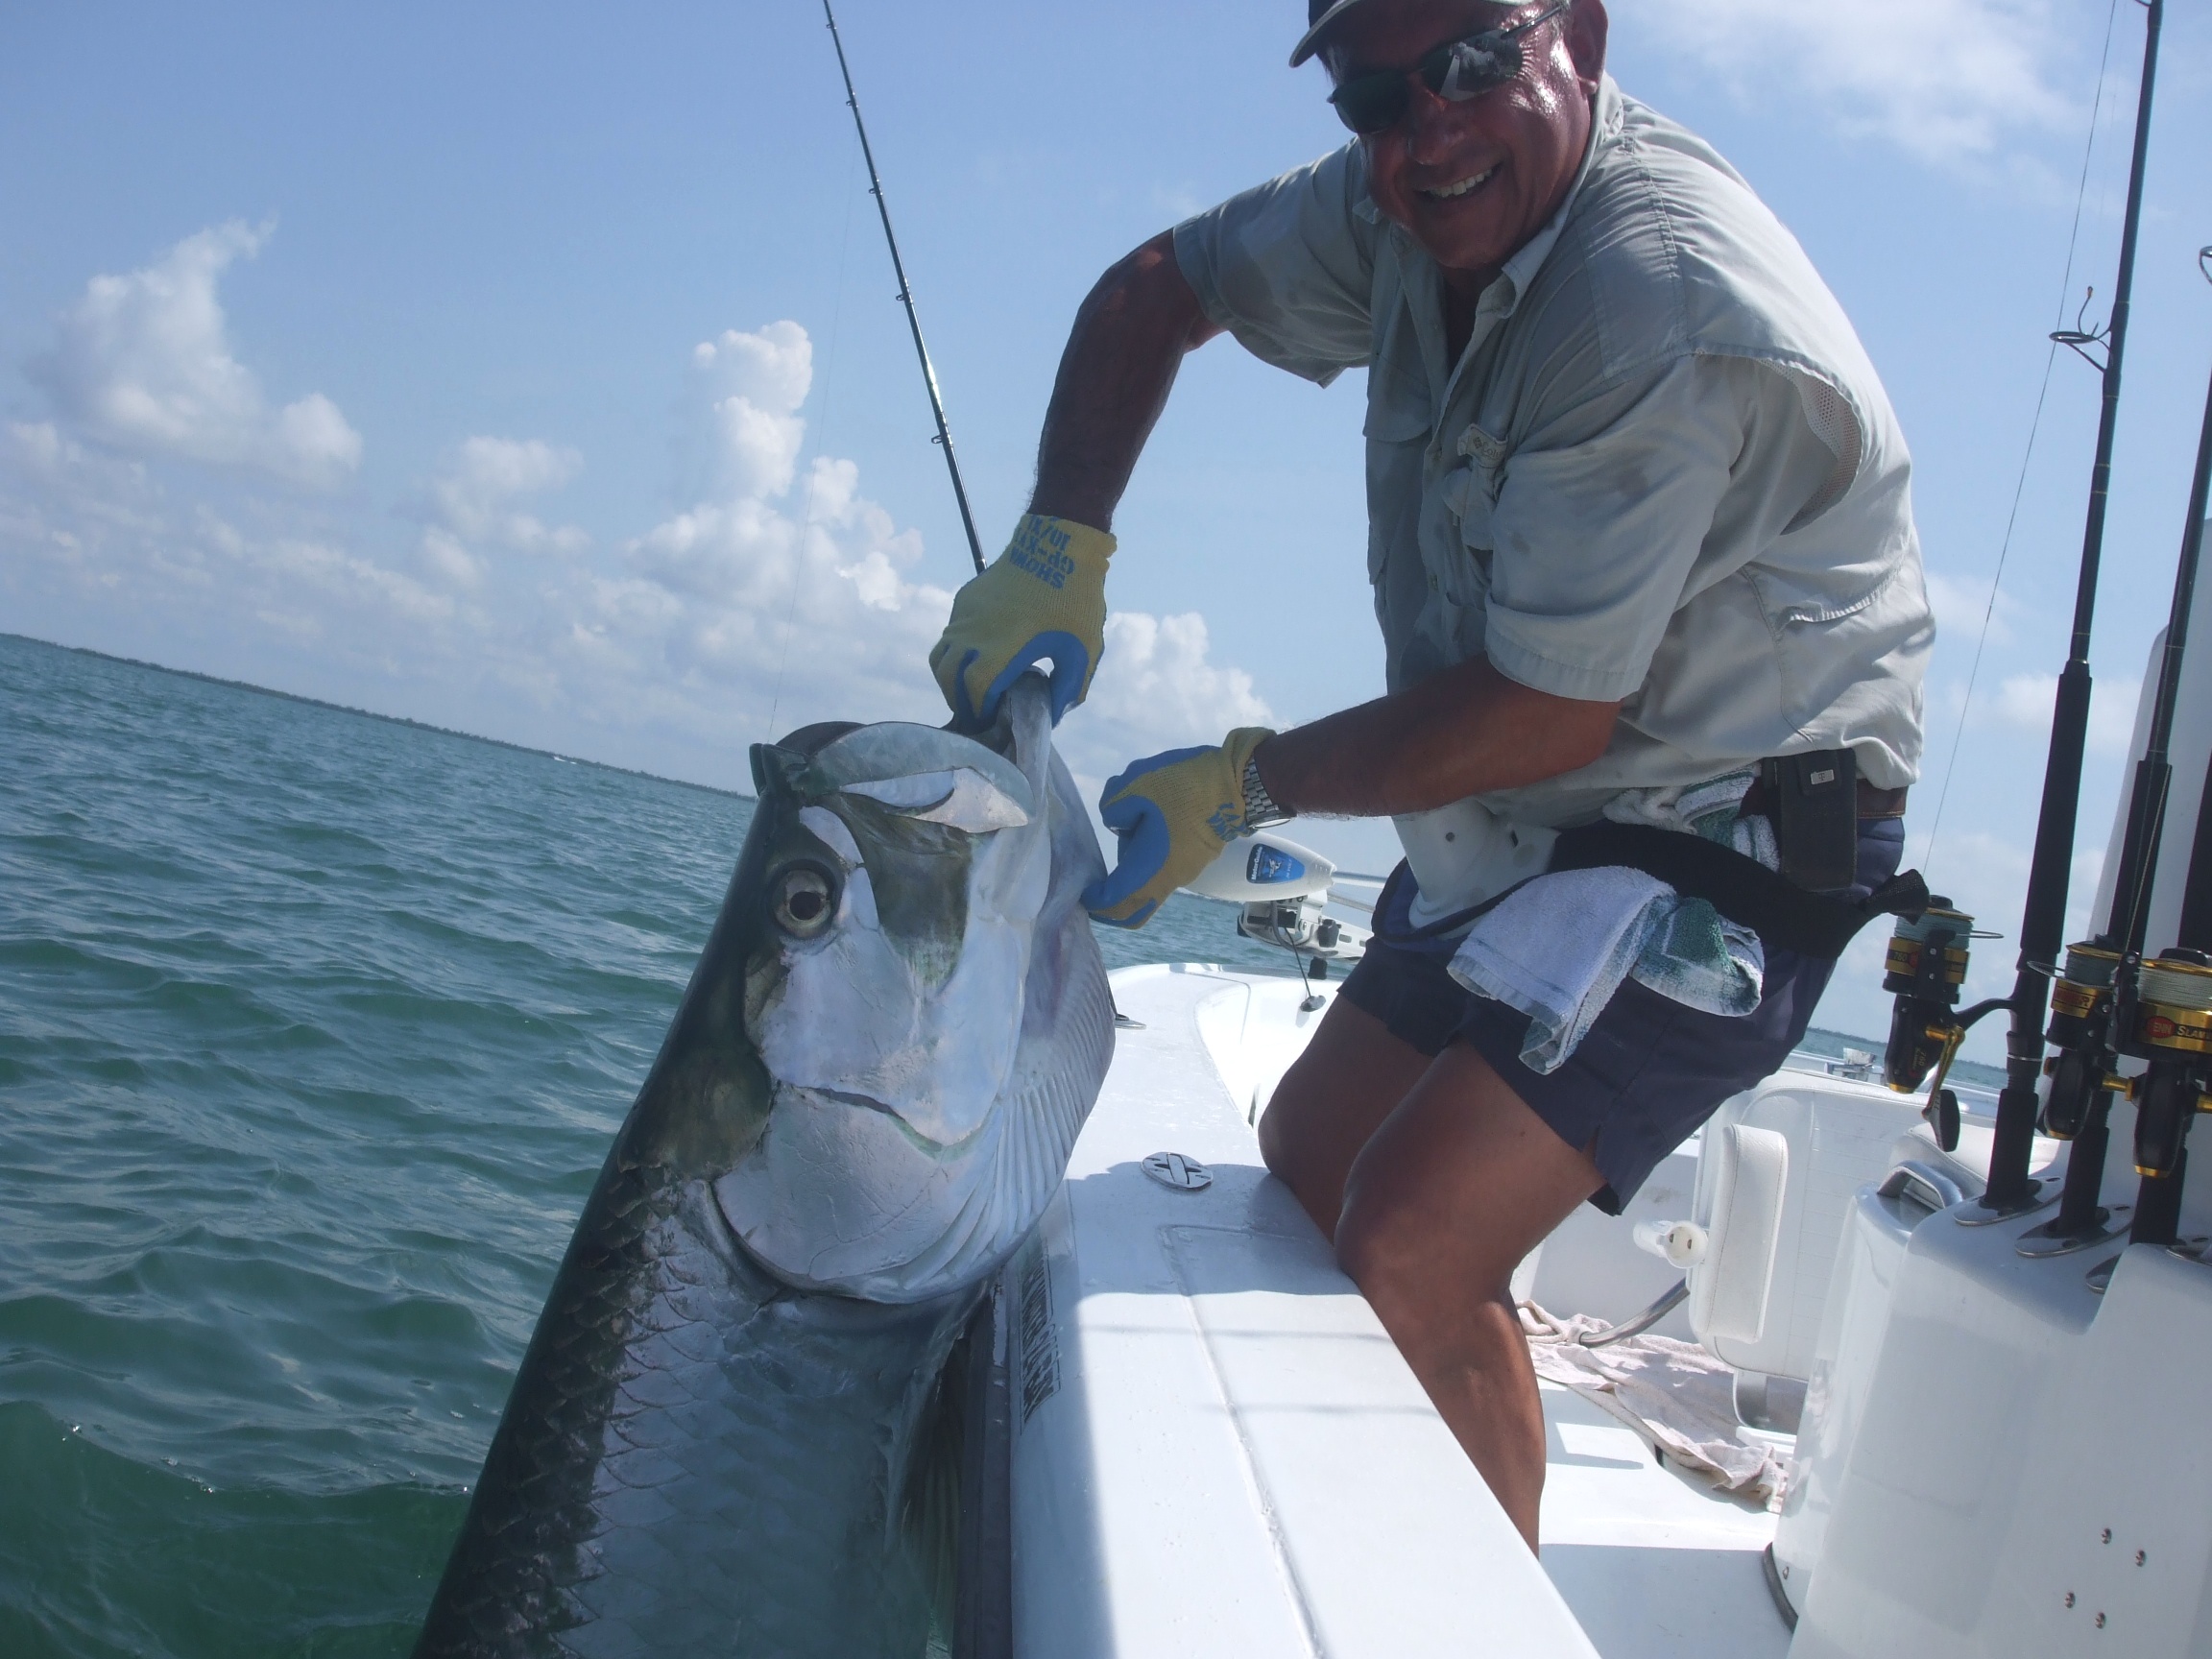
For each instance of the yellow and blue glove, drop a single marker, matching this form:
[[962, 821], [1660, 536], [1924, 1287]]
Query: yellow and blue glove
[[1045, 597], [1172, 815]]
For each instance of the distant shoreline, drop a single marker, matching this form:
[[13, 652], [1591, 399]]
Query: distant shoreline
[[370, 715]]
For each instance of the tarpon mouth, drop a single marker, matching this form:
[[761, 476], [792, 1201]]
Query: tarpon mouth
[[876, 1107]]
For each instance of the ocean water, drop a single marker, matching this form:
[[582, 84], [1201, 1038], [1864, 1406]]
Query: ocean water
[[314, 1028]]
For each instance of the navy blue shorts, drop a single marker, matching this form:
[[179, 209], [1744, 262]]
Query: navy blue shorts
[[1650, 1071]]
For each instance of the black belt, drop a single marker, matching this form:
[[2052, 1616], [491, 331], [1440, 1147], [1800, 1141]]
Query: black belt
[[1873, 802], [1784, 915]]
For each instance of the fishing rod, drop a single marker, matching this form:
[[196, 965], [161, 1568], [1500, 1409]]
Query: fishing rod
[[2166, 1009], [2171, 1032], [1925, 972], [943, 438], [2098, 1000]]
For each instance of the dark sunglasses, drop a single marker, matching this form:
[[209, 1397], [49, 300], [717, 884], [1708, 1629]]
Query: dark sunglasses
[[1458, 70]]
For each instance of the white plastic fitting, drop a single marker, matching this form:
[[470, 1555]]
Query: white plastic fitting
[[1682, 1243]]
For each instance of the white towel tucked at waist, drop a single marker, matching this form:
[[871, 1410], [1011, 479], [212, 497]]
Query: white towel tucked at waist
[[1560, 946]]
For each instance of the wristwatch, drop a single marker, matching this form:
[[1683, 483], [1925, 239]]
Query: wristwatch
[[1260, 808]]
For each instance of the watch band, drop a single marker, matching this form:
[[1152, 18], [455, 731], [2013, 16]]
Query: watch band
[[1260, 808]]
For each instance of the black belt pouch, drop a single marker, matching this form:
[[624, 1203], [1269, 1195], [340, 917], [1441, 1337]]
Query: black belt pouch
[[1813, 800]]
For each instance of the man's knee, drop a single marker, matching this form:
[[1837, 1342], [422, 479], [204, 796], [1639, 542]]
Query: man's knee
[[1396, 1257], [1278, 1137], [1391, 1252], [1304, 1106], [1371, 1244], [1343, 1084]]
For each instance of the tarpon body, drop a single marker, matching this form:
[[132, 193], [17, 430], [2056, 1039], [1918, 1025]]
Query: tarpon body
[[725, 1437]]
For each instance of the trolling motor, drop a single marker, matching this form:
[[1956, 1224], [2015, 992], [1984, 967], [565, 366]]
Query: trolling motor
[[1282, 890]]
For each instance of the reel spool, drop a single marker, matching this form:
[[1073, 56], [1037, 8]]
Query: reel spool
[[2080, 1030], [1926, 969], [2173, 1033]]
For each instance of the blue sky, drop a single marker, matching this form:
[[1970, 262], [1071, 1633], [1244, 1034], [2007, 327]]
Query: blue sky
[[535, 371]]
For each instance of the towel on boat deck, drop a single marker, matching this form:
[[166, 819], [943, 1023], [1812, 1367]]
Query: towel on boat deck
[[1560, 946], [1675, 1395]]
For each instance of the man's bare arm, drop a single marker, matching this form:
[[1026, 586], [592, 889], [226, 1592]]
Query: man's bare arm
[[1458, 734], [1128, 341]]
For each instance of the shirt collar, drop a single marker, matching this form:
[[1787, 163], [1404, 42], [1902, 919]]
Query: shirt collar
[[1605, 133]]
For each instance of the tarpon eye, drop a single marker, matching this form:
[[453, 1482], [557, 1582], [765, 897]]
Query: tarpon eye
[[805, 902]]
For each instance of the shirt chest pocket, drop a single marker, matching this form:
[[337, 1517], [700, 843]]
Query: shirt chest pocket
[[1460, 547], [1397, 433]]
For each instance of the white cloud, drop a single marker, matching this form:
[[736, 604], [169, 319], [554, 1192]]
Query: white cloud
[[796, 591], [143, 363], [38, 446], [1960, 604], [779, 595], [745, 440], [794, 617], [471, 506], [42, 450], [1950, 81], [1157, 688], [486, 473], [2024, 703], [790, 602], [353, 585]]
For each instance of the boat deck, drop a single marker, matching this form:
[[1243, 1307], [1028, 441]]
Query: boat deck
[[1233, 1457], [1654, 1563]]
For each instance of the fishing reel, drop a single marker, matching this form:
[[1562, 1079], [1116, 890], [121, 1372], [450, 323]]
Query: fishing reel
[[1926, 972], [2092, 1001], [2172, 1033], [2080, 1030]]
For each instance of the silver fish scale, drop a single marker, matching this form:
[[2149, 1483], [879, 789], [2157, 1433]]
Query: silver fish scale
[[686, 1444]]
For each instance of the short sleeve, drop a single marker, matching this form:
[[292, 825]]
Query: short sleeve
[[1289, 268], [1620, 511]]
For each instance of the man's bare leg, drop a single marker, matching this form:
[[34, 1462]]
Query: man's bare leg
[[1351, 1076], [1450, 1189]]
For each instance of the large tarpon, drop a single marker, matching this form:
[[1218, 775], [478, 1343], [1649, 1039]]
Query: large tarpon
[[723, 1438]]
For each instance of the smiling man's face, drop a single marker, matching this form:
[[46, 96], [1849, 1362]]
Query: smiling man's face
[[1473, 181]]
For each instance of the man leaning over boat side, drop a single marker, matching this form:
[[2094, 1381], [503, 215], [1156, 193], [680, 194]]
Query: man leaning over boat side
[[1642, 546]]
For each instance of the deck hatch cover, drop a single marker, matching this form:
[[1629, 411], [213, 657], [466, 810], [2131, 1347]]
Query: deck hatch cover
[[1175, 1170]]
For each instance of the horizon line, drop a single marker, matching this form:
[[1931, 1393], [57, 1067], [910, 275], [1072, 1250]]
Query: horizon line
[[373, 714]]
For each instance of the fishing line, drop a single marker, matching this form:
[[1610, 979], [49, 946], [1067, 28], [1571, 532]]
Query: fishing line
[[2034, 426], [813, 474]]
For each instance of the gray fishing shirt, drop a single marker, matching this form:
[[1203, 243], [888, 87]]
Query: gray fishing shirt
[[1663, 470]]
